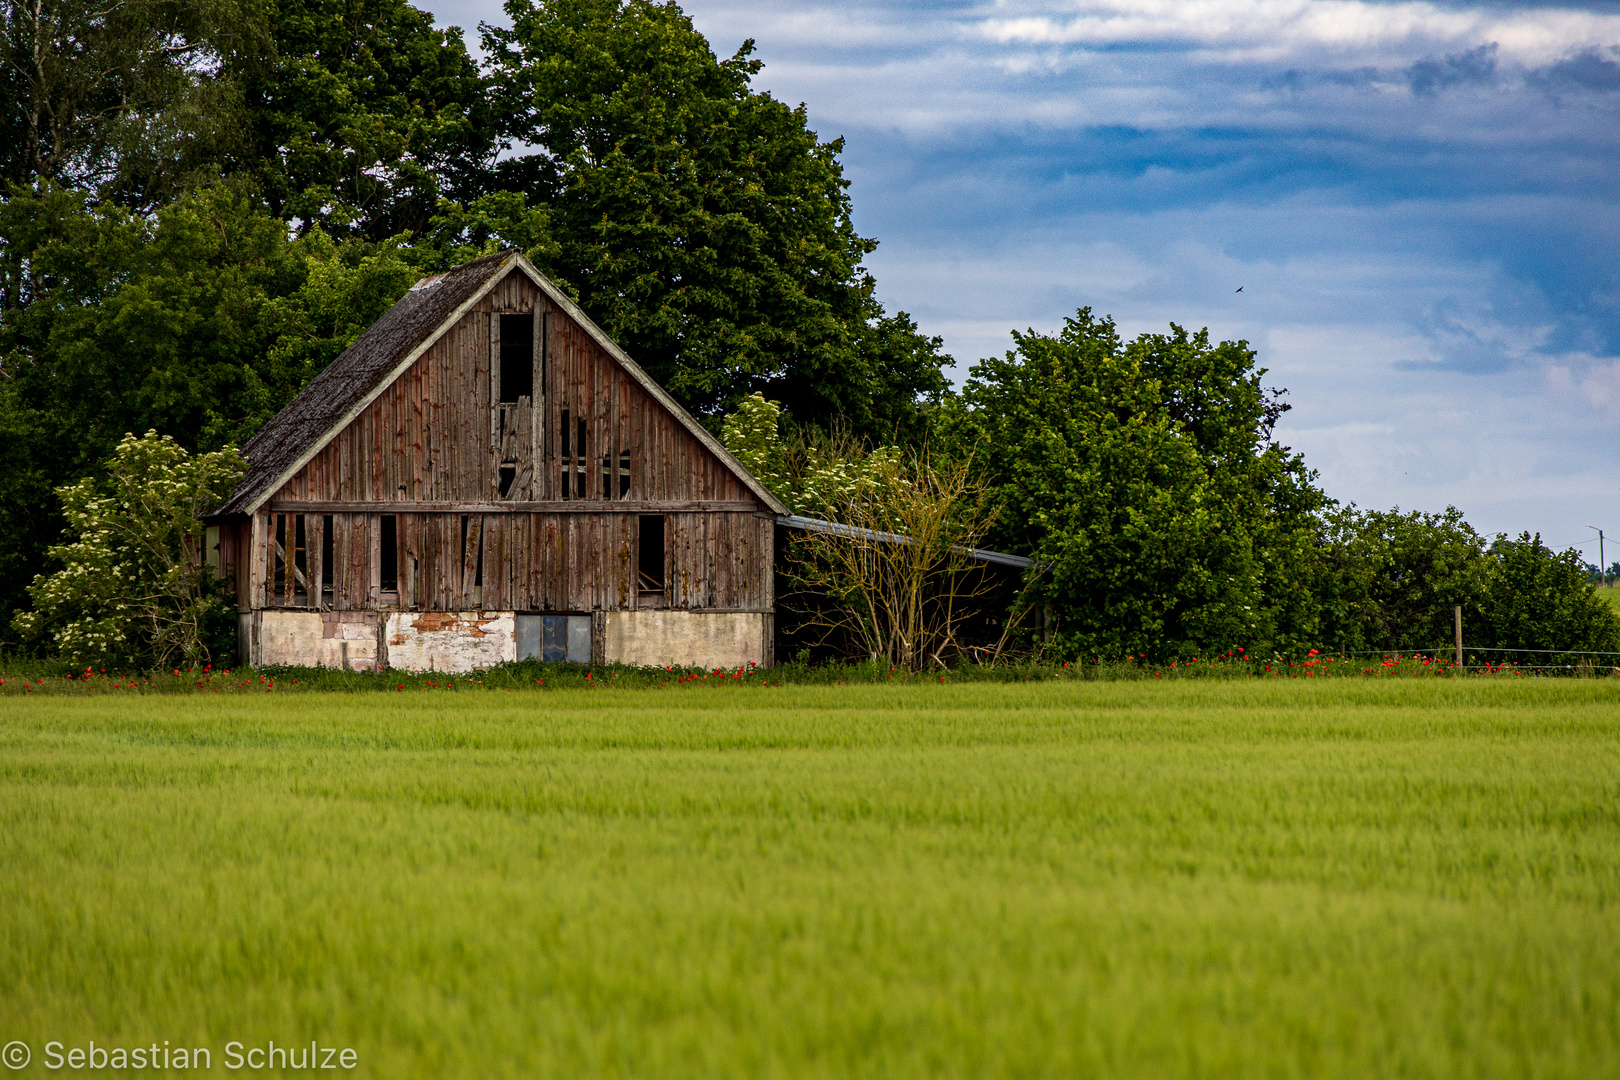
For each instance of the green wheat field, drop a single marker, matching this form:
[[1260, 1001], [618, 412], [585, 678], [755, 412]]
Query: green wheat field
[[1205, 878]]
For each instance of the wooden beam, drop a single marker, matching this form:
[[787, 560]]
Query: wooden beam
[[599, 506]]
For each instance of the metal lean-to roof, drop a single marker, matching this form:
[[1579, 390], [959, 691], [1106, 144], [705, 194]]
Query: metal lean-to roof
[[393, 343], [809, 524]]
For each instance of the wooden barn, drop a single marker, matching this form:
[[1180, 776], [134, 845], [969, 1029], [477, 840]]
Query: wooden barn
[[484, 476]]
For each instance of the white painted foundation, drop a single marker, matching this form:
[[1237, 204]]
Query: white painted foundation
[[331, 639], [462, 641], [455, 641], [705, 639]]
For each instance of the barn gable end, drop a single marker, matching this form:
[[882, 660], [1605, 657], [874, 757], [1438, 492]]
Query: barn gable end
[[480, 458]]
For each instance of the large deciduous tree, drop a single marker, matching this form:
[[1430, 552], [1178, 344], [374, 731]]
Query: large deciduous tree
[[361, 116], [702, 223], [200, 321], [125, 99], [1143, 478]]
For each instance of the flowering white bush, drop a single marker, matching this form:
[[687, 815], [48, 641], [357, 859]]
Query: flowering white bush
[[134, 587]]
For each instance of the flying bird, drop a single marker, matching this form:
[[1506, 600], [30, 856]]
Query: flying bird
[[1240, 288]]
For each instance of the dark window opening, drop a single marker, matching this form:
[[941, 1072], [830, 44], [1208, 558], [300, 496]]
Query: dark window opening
[[574, 458], [390, 553], [650, 554], [567, 455], [623, 473], [517, 357], [580, 458], [508, 475], [279, 572], [472, 547], [300, 557], [326, 553]]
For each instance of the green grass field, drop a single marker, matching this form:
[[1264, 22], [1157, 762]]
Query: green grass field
[[1201, 878]]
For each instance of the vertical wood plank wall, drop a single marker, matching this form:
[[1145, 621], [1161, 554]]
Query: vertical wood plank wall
[[531, 562], [427, 438]]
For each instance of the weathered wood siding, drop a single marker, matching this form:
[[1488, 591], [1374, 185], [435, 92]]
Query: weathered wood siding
[[428, 451], [432, 435], [512, 561]]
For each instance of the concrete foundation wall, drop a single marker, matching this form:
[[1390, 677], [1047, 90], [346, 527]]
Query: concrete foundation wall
[[685, 638], [315, 638], [450, 640], [460, 641]]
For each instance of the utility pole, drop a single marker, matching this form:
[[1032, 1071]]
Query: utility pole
[[1603, 566], [1456, 614]]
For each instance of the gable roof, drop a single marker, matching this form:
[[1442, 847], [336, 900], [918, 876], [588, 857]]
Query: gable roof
[[384, 352]]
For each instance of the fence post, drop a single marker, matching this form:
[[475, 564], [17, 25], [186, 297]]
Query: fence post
[[1456, 616]]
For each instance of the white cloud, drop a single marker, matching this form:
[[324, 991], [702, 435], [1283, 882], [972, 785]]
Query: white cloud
[[1388, 242], [1272, 30]]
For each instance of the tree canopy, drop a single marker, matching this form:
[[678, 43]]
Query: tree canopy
[[1143, 478], [203, 203], [702, 223]]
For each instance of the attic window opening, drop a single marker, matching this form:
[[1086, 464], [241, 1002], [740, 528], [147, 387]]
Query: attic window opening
[[574, 458], [517, 358], [623, 474]]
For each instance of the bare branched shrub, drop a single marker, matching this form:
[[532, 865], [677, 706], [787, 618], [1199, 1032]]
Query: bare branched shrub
[[895, 560]]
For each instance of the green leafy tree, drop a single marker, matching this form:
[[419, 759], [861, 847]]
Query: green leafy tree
[[1535, 598], [134, 588], [126, 99], [703, 224], [1391, 580], [201, 321], [1143, 478], [361, 116]]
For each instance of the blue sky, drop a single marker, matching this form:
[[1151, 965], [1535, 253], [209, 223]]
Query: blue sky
[[1421, 202]]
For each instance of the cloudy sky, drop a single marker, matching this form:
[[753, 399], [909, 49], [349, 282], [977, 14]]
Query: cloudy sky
[[1421, 202]]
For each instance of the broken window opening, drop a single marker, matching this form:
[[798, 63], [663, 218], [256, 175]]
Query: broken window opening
[[326, 553], [390, 553], [566, 454], [580, 460], [517, 357], [476, 558], [278, 572], [508, 475], [300, 558], [650, 554], [608, 473], [574, 458]]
